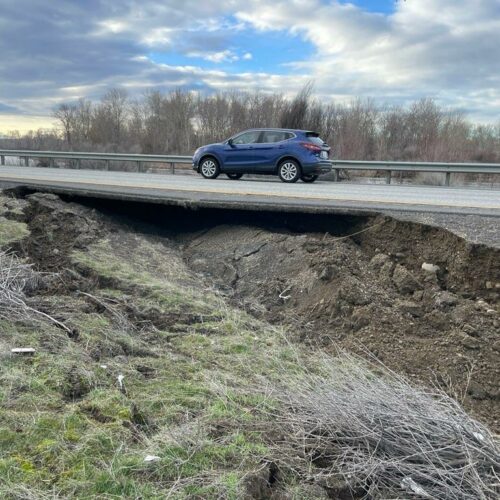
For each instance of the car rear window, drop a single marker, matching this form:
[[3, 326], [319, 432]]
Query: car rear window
[[275, 136], [315, 138]]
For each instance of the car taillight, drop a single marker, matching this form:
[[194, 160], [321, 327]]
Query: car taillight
[[311, 147]]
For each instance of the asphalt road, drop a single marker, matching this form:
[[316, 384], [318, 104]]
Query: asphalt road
[[322, 197]]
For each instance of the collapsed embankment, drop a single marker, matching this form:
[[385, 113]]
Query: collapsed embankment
[[181, 304], [368, 292]]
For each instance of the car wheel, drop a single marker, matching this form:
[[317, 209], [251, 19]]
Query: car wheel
[[289, 171], [209, 168], [309, 178], [235, 177]]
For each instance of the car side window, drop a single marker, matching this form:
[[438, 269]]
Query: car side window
[[270, 136], [247, 137]]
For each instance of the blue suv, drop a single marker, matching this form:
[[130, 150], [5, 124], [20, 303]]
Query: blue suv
[[290, 154]]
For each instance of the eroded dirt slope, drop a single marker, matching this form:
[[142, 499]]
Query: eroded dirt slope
[[369, 293], [140, 304]]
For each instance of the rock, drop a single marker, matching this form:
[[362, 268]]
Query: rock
[[445, 299], [475, 391], [361, 317], [326, 274], [430, 268], [354, 292], [405, 281], [437, 320], [488, 285], [411, 308], [483, 305], [468, 342], [470, 330], [379, 260], [496, 345]]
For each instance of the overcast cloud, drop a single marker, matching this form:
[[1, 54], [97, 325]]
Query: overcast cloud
[[59, 50]]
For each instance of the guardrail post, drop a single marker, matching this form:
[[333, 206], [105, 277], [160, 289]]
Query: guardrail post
[[26, 161], [78, 163], [139, 166], [388, 176], [51, 162], [172, 168], [2, 160], [106, 165], [447, 179], [336, 177]]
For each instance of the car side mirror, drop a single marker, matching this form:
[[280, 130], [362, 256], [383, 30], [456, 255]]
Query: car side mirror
[[230, 142]]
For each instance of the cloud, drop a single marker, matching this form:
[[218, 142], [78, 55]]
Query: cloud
[[439, 48], [5, 108], [59, 51], [216, 57]]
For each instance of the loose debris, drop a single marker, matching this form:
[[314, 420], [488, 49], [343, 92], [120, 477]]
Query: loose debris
[[17, 279], [385, 436], [23, 350]]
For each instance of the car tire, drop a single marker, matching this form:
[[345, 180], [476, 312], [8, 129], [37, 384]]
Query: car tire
[[209, 168], [289, 171], [235, 177], [309, 178]]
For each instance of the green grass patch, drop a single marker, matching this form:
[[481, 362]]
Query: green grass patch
[[12, 231], [188, 364]]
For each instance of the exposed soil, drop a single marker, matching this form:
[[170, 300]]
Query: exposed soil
[[369, 293], [363, 288]]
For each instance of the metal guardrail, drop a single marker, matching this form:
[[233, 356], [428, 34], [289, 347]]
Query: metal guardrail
[[401, 166], [172, 160], [51, 156]]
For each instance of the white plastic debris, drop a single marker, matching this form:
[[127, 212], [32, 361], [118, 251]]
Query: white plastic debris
[[120, 381], [430, 268], [151, 458], [104, 367], [23, 350], [410, 485]]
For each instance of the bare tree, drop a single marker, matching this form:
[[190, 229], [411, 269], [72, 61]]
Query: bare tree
[[179, 121], [294, 113], [66, 113]]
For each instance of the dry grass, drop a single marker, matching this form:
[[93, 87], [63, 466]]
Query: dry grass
[[384, 436]]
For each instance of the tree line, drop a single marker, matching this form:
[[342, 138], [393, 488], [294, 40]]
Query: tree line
[[180, 121]]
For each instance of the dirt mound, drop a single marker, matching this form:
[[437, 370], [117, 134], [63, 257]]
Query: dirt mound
[[56, 229], [369, 293]]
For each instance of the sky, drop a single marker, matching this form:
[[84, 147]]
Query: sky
[[392, 51]]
